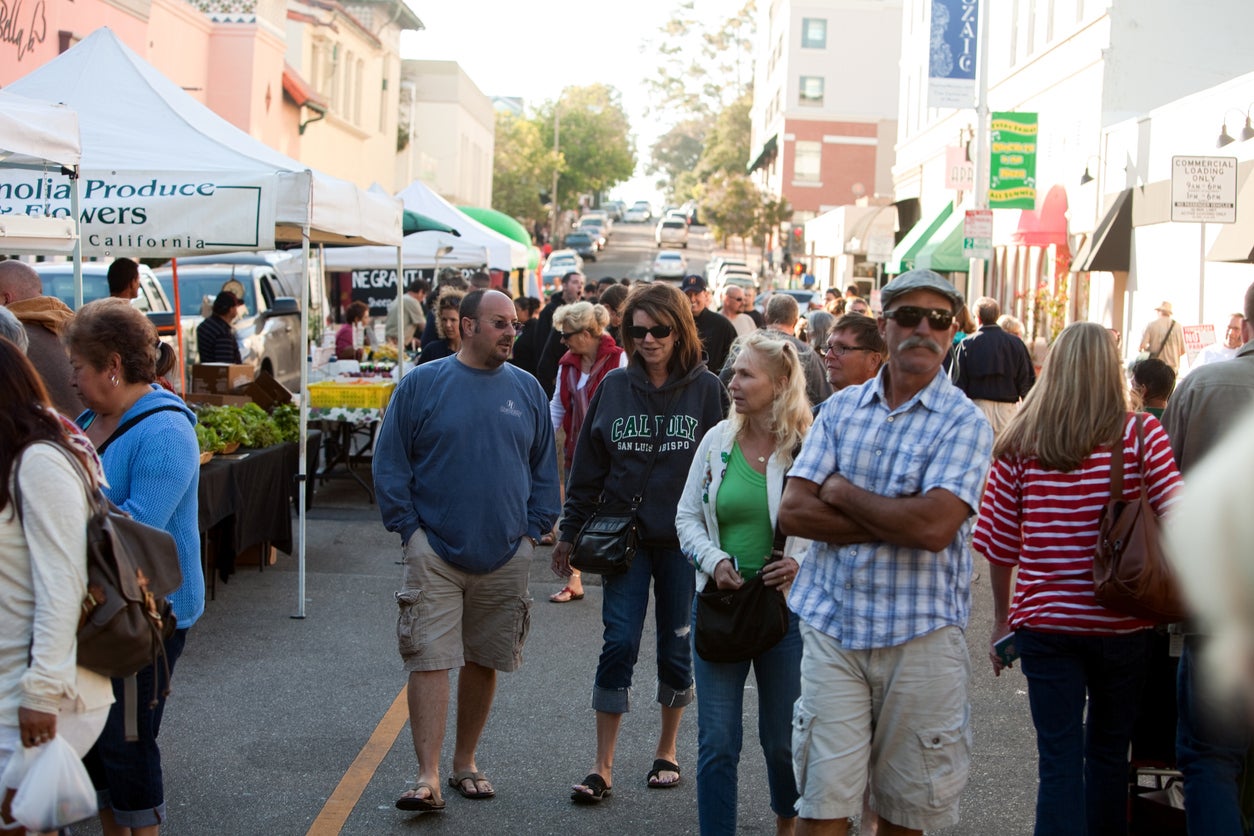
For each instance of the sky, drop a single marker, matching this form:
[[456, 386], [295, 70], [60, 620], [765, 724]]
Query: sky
[[534, 50]]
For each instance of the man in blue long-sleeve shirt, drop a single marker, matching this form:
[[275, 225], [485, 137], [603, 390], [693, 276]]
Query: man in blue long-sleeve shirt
[[453, 428]]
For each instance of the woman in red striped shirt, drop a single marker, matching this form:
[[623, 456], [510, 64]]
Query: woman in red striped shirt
[[1041, 510]]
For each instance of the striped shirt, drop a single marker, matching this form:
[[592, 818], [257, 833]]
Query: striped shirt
[[1046, 523], [878, 594]]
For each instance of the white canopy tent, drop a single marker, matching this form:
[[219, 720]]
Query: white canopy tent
[[164, 176], [503, 253], [422, 250], [42, 139]]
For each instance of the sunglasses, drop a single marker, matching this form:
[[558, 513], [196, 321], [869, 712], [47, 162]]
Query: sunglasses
[[566, 335], [908, 316], [639, 332]]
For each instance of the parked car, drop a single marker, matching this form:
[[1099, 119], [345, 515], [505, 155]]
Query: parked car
[[58, 280], [669, 265], [640, 212], [714, 265], [807, 300], [559, 263], [671, 231], [268, 328], [597, 227], [582, 243], [615, 208]]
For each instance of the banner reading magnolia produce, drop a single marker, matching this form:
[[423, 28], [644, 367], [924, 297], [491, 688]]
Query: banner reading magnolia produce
[[951, 53], [1012, 146], [153, 215]]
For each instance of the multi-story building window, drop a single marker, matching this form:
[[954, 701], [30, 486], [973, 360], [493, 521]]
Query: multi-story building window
[[807, 161], [814, 33], [810, 91]]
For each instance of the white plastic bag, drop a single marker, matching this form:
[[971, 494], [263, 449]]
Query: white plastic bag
[[55, 791]]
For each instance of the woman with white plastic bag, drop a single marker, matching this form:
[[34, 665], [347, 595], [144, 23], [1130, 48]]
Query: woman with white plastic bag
[[44, 695]]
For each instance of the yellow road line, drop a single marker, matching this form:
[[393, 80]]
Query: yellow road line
[[340, 805]]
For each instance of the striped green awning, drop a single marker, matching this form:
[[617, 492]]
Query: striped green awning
[[904, 253]]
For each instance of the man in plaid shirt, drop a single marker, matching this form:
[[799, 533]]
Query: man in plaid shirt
[[886, 485]]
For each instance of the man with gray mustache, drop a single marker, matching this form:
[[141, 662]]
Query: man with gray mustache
[[886, 486]]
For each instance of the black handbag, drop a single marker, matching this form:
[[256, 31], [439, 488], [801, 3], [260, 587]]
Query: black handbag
[[735, 625], [607, 542]]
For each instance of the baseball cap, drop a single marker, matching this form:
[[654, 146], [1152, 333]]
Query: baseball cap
[[693, 284], [920, 280]]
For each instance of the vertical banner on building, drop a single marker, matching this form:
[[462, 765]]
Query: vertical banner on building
[[952, 52], [1012, 179]]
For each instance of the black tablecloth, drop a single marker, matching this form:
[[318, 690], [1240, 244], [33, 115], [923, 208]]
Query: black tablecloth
[[246, 499]]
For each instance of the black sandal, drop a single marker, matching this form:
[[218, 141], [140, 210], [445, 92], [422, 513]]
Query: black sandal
[[659, 766], [594, 782]]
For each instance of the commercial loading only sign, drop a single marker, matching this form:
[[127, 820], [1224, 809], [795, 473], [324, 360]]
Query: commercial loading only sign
[[1204, 189]]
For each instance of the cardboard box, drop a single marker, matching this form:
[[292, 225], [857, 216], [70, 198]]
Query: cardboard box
[[267, 392], [254, 555], [217, 400], [220, 378]]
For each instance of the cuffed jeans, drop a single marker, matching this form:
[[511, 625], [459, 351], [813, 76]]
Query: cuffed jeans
[[720, 729], [1083, 765], [127, 776], [1211, 745], [625, 601]]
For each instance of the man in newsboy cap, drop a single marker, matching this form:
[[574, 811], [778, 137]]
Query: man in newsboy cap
[[886, 485]]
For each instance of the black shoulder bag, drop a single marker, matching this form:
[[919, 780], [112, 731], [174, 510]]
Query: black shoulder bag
[[735, 625], [607, 543]]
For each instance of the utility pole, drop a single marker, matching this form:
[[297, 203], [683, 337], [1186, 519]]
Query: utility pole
[[557, 150]]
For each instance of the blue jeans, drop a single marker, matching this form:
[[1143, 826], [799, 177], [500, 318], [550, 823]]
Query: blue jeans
[[127, 776], [624, 603], [1083, 762], [1211, 743], [720, 729]]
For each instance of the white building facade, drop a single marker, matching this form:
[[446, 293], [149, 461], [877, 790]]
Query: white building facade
[[1083, 66], [452, 129]]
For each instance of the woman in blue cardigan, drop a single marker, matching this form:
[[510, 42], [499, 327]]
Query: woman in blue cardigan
[[147, 443]]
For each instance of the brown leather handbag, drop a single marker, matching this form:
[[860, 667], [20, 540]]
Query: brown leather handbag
[[1131, 574]]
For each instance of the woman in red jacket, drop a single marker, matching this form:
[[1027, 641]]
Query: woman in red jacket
[[590, 355]]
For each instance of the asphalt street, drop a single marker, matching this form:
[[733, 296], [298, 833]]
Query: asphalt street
[[289, 726]]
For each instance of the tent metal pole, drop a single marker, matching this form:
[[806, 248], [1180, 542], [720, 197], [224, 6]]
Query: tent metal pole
[[76, 254], [302, 477], [401, 354]]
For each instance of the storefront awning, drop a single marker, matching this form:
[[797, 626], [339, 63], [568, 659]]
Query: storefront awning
[[1235, 242], [1109, 248], [765, 155], [1045, 226], [943, 251], [904, 253]]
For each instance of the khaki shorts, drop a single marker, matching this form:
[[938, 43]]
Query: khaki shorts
[[900, 712], [449, 616]]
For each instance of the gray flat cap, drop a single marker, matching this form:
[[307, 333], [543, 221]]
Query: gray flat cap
[[920, 280]]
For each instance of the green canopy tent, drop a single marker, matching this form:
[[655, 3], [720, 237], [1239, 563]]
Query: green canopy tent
[[416, 222], [509, 227]]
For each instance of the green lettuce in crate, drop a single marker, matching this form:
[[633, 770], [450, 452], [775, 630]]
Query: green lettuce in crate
[[208, 439], [287, 418], [225, 421]]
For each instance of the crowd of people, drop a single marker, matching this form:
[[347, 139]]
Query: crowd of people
[[853, 462], [857, 462]]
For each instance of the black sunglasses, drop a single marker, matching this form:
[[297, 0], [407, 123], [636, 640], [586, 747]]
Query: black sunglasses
[[566, 335], [639, 332], [908, 316]]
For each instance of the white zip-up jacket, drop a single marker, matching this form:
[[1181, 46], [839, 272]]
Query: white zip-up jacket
[[696, 519]]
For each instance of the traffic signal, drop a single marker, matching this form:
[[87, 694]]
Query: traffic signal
[[797, 240]]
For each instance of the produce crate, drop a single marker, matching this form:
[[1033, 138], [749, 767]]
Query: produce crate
[[351, 395]]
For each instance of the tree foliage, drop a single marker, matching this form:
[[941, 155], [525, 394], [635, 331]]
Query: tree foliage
[[701, 70], [594, 136], [727, 143], [734, 207], [594, 153], [522, 167]]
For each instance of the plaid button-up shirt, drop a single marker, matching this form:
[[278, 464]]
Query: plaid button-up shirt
[[876, 594]]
